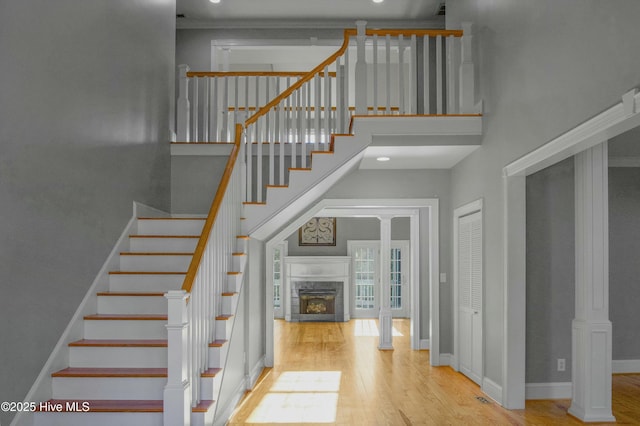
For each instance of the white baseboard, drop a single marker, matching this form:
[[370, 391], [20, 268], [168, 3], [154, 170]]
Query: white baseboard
[[626, 366], [223, 414], [426, 344], [492, 389], [557, 390], [446, 359], [254, 374]]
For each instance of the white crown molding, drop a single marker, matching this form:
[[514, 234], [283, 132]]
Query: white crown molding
[[307, 24]]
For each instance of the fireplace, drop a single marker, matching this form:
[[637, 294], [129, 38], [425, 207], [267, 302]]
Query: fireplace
[[317, 301]]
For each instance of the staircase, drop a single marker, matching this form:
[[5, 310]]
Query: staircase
[[117, 373]]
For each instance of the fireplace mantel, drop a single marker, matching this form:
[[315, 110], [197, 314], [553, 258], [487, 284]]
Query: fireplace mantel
[[317, 268]]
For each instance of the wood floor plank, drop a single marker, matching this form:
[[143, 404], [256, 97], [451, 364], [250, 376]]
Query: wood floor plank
[[396, 387]]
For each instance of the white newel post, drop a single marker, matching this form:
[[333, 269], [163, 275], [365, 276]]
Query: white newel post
[[183, 103], [467, 77], [591, 336], [361, 69], [386, 320], [177, 392]]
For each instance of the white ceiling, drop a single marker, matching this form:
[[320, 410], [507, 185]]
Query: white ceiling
[[243, 13], [415, 157]]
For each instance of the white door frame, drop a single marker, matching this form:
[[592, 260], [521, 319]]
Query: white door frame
[[414, 209], [467, 209], [618, 119], [404, 244], [284, 246]]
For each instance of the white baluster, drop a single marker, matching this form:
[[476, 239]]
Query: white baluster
[[236, 105], [327, 108], [196, 107], [205, 110], [360, 70], [282, 140], [224, 136], [294, 127], [246, 97], [375, 74], [413, 87], [345, 111], [184, 108], [426, 80], [401, 88], [340, 92], [272, 148], [249, 160], [177, 391], [303, 127], [214, 112], [388, 72], [259, 159], [439, 88], [451, 75], [317, 111]]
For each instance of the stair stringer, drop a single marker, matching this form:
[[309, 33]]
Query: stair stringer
[[305, 187]]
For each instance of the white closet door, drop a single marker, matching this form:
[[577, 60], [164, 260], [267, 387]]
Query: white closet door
[[470, 295]]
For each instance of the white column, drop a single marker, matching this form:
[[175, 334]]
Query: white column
[[183, 103], [361, 70], [591, 337], [386, 320], [177, 392]]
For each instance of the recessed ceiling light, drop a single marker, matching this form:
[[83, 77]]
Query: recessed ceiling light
[[214, 1], [383, 158], [378, 1]]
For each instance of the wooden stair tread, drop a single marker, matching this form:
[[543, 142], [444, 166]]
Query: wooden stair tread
[[243, 237], [113, 405], [234, 273], [217, 343], [277, 186], [229, 293], [321, 152], [111, 372], [254, 203], [203, 406], [172, 218], [238, 254], [131, 343], [300, 169], [211, 372], [224, 317], [131, 294], [125, 317]]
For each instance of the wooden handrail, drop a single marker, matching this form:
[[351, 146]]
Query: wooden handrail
[[251, 74], [213, 213], [265, 109]]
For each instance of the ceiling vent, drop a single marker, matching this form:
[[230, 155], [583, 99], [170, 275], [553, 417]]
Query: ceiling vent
[[441, 9], [180, 15]]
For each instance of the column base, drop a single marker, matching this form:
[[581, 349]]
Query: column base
[[386, 327], [591, 370], [177, 404]]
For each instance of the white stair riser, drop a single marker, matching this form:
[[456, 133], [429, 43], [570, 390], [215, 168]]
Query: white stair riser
[[229, 304], [217, 355], [166, 245], [125, 329], [242, 244], [234, 283], [98, 419], [203, 419], [223, 329], [239, 262], [118, 357], [145, 282], [154, 263], [210, 387], [84, 388], [170, 227], [132, 305]]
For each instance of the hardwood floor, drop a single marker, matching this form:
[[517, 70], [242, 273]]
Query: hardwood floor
[[333, 373]]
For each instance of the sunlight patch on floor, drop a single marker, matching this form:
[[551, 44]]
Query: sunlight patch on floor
[[300, 397], [369, 328]]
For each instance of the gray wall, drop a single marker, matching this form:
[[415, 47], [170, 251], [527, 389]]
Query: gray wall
[[85, 111], [544, 66], [194, 182], [348, 228], [624, 268], [550, 272]]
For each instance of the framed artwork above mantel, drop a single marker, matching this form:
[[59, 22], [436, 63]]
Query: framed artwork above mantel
[[318, 231]]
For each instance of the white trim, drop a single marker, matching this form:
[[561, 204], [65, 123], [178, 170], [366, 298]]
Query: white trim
[[446, 359], [424, 345], [222, 417], [602, 127], [405, 207], [492, 389], [465, 210], [618, 119], [624, 161], [629, 366], [557, 390], [42, 388], [254, 374]]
